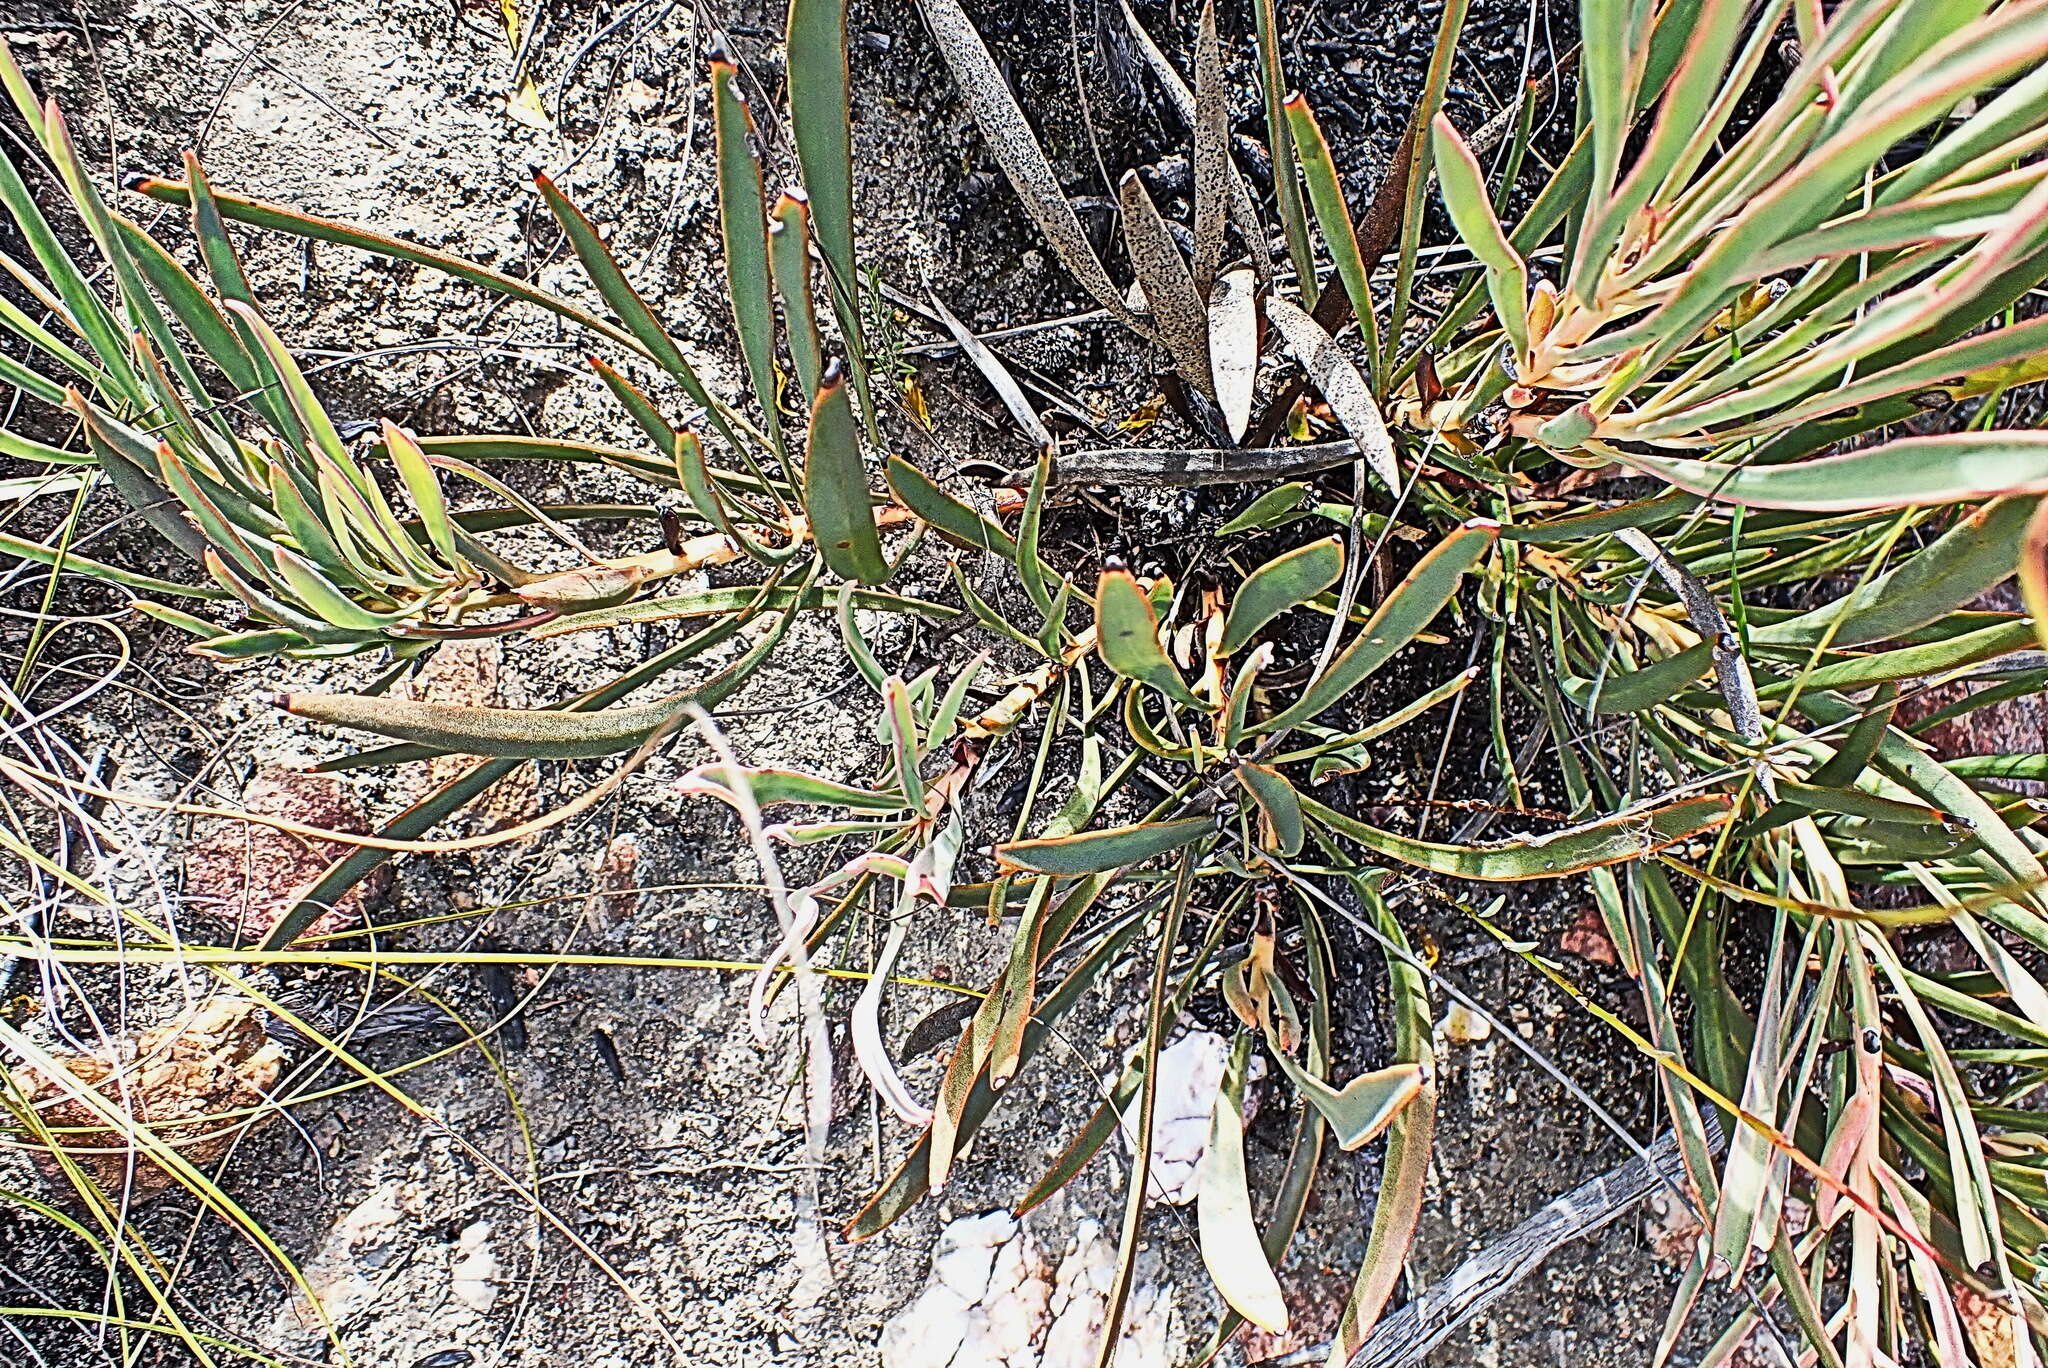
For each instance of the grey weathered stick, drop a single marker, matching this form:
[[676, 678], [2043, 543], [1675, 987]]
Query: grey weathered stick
[[1181, 468], [1415, 1330], [997, 374]]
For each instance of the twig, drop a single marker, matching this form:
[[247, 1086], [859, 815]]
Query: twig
[[1184, 467], [1426, 1322]]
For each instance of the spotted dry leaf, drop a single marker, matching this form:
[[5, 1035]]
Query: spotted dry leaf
[[467, 673]]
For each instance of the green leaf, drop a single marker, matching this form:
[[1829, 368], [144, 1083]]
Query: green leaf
[[1333, 215], [948, 516], [772, 786], [1095, 852], [819, 114], [88, 312], [789, 260], [1978, 553], [2032, 766], [1906, 472], [900, 721], [1611, 840], [1280, 143], [1278, 800], [1627, 691], [836, 488], [1229, 1236], [1285, 582], [745, 237], [1277, 507], [425, 490], [191, 306], [642, 410], [709, 500], [258, 214], [130, 464], [1573, 527], [651, 338], [1471, 210], [73, 563], [1127, 638], [1913, 662], [856, 645], [316, 592], [1410, 608]]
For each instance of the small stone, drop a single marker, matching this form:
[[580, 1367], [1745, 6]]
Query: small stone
[[1463, 1026], [473, 1277]]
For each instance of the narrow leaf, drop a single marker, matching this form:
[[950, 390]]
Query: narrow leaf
[[1411, 607], [1182, 322], [947, 515], [1611, 840], [1230, 1237], [1471, 209], [1907, 472], [1287, 581], [745, 237], [789, 258], [1127, 637], [1017, 151], [1095, 852], [836, 487], [1278, 801]]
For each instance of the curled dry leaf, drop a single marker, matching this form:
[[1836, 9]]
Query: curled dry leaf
[[181, 1079]]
